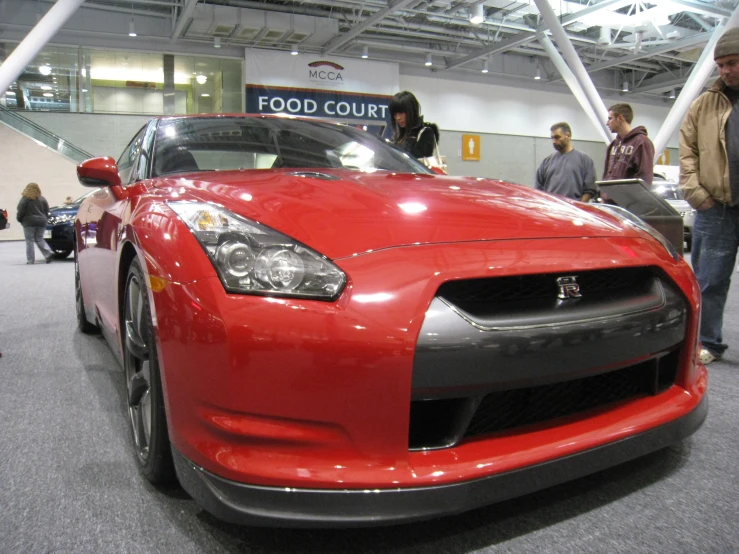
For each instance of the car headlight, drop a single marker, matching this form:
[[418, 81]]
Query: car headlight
[[251, 258], [633, 220], [59, 219]]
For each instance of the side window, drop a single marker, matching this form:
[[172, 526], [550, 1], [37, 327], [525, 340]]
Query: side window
[[129, 157], [144, 162]]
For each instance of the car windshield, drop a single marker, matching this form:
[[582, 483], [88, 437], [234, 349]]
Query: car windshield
[[236, 143], [668, 191]]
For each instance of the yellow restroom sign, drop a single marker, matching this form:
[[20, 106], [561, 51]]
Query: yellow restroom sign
[[471, 148]]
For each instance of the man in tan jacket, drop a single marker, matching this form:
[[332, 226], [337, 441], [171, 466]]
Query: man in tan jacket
[[709, 177]]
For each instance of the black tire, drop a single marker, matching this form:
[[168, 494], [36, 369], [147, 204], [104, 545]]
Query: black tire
[[83, 323], [60, 254], [143, 383]]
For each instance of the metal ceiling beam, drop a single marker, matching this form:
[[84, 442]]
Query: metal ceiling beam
[[529, 36], [683, 43], [340, 40], [507, 44], [159, 3], [185, 15], [705, 26], [701, 7], [656, 84]]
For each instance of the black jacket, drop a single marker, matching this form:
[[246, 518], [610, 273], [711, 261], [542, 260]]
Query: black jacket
[[33, 213], [423, 147]]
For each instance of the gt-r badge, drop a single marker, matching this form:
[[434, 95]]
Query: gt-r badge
[[568, 287]]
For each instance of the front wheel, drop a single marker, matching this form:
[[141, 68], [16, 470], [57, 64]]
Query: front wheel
[[143, 381], [61, 254]]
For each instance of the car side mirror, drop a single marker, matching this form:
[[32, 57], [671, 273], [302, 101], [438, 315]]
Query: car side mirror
[[99, 172]]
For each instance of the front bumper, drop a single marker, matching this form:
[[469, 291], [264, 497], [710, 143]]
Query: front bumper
[[301, 507], [61, 236]]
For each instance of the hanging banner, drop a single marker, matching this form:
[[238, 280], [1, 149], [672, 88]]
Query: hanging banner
[[343, 89]]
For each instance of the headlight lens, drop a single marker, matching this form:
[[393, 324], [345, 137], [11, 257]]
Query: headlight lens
[[251, 258], [57, 219], [631, 219]]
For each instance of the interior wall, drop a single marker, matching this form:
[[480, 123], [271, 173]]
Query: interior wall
[[516, 111], [513, 158], [24, 161], [98, 134]]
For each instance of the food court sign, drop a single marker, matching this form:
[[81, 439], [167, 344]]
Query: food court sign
[[340, 88]]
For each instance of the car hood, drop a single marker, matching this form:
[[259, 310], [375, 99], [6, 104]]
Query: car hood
[[341, 213], [70, 209]]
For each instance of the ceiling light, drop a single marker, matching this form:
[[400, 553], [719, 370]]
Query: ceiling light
[[673, 94], [625, 88], [205, 94], [45, 69], [294, 51], [477, 14], [45, 87], [201, 79], [429, 61], [84, 90], [131, 28], [48, 94], [538, 74], [605, 35], [216, 42], [365, 52], [485, 66], [10, 93]]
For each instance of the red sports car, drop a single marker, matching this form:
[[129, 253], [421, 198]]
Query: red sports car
[[316, 330]]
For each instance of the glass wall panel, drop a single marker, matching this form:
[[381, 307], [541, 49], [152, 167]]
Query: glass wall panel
[[105, 81], [49, 83]]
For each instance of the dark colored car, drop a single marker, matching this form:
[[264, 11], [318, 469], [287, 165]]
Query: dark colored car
[[671, 192], [59, 232]]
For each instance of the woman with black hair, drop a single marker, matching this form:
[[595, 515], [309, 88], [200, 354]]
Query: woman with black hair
[[410, 132]]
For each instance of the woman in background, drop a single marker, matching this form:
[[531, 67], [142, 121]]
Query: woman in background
[[410, 132], [33, 213]]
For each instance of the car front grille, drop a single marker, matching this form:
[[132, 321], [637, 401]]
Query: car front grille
[[470, 292], [443, 422], [495, 354]]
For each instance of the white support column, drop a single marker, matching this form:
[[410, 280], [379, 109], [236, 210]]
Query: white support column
[[39, 36], [701, 72], [574, 63], [575, 87]]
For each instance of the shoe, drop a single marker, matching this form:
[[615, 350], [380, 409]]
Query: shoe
[[707, 357], [48, 260], [30, 263]]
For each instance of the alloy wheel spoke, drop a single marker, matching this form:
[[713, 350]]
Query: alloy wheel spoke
[[135, 342], [137, 388]]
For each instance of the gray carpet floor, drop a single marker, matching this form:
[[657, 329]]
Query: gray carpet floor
[[69, 483]]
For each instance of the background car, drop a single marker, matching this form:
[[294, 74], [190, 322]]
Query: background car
[[59, 232], [673, 194], [315, 330]]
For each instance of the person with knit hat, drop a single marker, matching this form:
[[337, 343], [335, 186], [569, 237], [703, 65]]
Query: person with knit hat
[[709, 178]]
